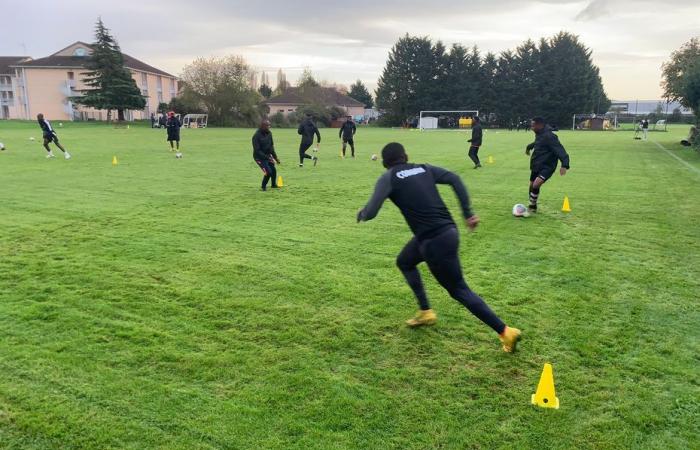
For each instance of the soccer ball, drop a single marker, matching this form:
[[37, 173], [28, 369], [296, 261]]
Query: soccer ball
[[31, 138], [178, 155], [2, 146], [520, 210], [374, 157]]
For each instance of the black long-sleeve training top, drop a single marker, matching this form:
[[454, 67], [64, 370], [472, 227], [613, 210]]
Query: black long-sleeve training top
[[477, 135], [46, 128], [548, 150], [307, 129], [413, 189], [347, 130], [263, 146]]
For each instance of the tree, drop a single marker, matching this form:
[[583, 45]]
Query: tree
[[307, 80], [111, 85], [282, 83], [359, 92], [163, 107], [681, 76], [221, 86], [265, 91]]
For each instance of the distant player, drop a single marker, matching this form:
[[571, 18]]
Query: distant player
[[307, 129], [173, 125], [547, 152], [264, 154], [412, 188], [347, 134], [477, 136], [645, 129], [50, 136]]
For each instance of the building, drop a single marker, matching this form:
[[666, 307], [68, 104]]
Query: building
[[8, 86], [293, 98], [644, 107], [46, 85]]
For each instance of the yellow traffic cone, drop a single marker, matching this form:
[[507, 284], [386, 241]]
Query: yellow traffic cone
[[280, 182], [545, 396], [566, 207], [114, 161], [490, 160]]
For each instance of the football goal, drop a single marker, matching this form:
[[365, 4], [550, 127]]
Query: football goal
[[594, 122], [446, 120]]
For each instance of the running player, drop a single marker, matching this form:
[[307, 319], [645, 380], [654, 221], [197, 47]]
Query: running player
[[307, 129], [547, 152], [264, 154], [476, 140], [413, 189], [50, 136], [173, 126], [347, 133]]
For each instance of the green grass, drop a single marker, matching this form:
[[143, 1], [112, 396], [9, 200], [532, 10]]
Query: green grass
[[169, 304]]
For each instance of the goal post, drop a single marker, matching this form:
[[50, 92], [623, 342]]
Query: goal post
[[446, 120]]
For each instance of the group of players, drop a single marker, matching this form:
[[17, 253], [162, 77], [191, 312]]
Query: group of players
[[413, 189]]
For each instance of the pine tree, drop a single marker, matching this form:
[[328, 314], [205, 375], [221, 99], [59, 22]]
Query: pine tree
[[359, 92], [111, 85]]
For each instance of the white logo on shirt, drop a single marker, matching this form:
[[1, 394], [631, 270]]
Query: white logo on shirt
[[410, 172]]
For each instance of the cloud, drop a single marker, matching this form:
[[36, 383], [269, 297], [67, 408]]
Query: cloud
[[344, 41]]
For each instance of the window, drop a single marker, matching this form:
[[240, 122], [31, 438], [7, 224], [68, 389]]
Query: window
[[159, 82], [80, 51], [160, 97], [5, 80], [71, 76], [281, 111], [144, 80]]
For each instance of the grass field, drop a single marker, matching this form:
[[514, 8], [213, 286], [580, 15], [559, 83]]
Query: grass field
[[170, 304]]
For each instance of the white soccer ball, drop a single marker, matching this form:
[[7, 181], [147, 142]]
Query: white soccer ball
[[520, 210], [178, 155], [2, 146], [374, 157], [31, 138]]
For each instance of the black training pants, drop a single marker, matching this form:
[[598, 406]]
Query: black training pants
[[441, 253], [303, 147], [474, 155]]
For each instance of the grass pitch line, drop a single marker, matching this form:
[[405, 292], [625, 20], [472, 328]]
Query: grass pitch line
[[685, 163]]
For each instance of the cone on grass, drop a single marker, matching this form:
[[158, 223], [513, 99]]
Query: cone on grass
[[280, 181], [566, 207], [545, 396], [114, 161], [490, 160]]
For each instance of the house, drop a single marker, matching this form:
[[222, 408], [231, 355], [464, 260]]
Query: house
[[8, 105], [293, 98], [46, 85]]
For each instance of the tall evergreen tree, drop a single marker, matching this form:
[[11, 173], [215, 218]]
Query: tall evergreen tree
[[111, 85], [359, 92]]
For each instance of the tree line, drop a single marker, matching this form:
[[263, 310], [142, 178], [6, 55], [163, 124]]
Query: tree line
[[554, 78]]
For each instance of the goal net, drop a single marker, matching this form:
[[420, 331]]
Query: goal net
[[446, 120], [594, 122]]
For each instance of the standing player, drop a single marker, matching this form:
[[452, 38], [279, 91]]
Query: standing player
[[547, 152], [412, 188], [173, 126], [50, 136], [347, 133], [307, 129], [264, 154], [477, 136], [645, 128]]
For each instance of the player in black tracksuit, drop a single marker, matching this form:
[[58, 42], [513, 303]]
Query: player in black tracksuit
[[173, 126], [49, 136], [412, 188], [476, 140], [264, 154], [347, 133], [307, 129], [548, 151]]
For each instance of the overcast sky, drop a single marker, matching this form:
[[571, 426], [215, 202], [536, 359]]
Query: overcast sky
[[344, 41]]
